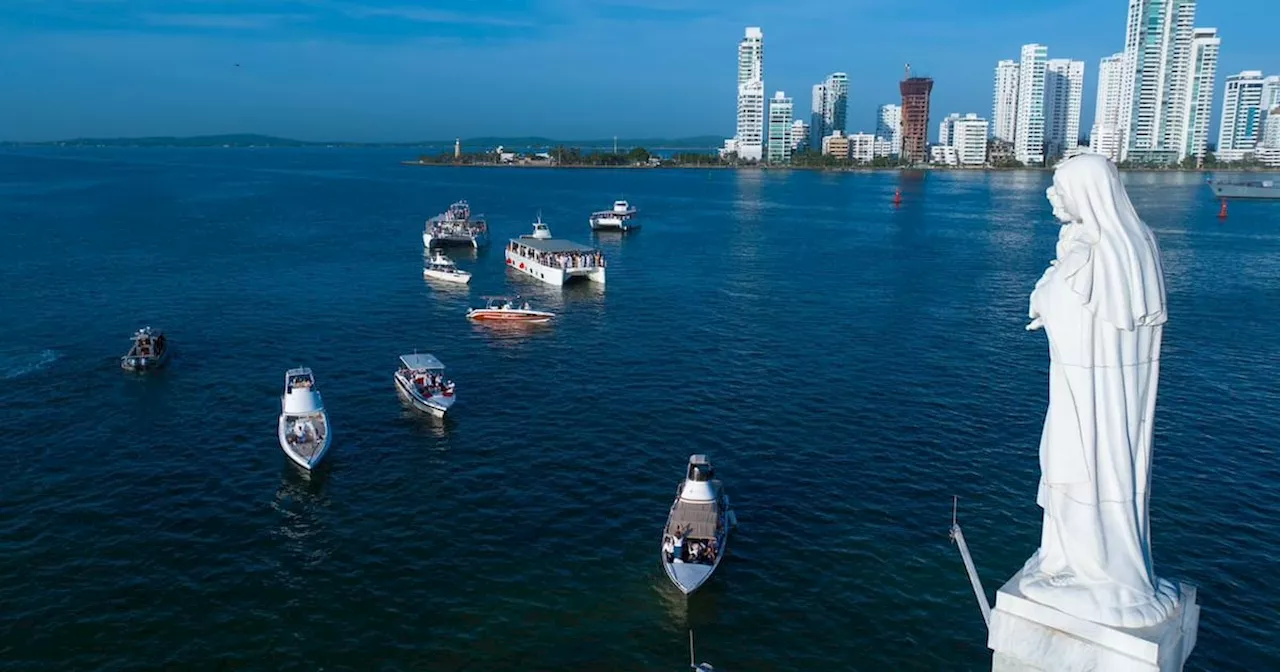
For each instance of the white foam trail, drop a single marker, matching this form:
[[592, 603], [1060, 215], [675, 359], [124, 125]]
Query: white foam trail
[[17, 364]]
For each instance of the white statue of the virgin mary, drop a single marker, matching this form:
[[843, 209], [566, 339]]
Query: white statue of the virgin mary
[[1101, 303]]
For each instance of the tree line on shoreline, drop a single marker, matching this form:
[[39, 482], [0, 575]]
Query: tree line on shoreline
[[803, 159]]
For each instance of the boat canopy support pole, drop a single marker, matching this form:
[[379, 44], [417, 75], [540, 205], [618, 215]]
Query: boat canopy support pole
[[957, 537]]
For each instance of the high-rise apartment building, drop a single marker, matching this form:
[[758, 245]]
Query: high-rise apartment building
[[817, 124], [945, 128], [835, 110], [1242, 115], [1063, 94], [1104, 137], [889, 127], [969, 137], [780, 119], [799, 134], [1158, 60], [749, 138], [915, 117], [830, 106], [1028, 143], [1271, 92], [1197, 109], [1004, 108]]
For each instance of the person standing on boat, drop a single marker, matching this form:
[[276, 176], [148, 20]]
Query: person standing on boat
[[677, 551]]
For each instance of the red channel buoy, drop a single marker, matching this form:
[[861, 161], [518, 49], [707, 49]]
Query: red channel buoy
[[1222, 214], [897, 197]]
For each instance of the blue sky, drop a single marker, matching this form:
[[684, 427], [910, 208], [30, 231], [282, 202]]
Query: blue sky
[[570, 69]]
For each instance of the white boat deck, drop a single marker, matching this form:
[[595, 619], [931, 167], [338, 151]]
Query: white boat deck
[[306, 449]]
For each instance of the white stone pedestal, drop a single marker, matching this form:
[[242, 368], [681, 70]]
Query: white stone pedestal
[[1028, 636]]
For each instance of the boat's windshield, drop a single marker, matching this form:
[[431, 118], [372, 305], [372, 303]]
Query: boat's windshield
[[701, 473]]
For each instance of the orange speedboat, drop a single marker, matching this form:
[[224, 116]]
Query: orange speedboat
[[508, 309]]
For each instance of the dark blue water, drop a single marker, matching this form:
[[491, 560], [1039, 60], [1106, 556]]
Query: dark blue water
[[847, 365]]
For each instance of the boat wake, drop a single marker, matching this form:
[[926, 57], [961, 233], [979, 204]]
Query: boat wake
[[15, 364]]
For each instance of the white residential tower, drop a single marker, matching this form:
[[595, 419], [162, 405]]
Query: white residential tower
[[749, 138], [1004, 108], [1028, 144]]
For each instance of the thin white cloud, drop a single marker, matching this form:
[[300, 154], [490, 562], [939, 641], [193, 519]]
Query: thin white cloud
[[215, 21], [427, 15]]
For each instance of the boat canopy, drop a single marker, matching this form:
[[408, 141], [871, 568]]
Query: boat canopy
[[421, 362], [552, 245], [300, 374]]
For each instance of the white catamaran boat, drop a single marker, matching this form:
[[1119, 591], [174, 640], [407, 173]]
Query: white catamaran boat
[[697, 532], [508, 309], [150, 350], [441, 267], [421, 382], [554, 261], [620, 218], [456, 226], [304, 425]]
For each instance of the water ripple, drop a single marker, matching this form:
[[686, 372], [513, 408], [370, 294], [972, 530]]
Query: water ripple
[[848, 365]]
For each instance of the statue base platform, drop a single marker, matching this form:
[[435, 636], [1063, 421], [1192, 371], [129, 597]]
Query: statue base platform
[[1027, 636]]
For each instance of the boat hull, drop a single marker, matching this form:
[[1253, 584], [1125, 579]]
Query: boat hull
[[136, 364], [296, 457], [552, 275], [486, 315], [437, 405], [461, 277], [1246, 191], [613, 225], [476, 241]]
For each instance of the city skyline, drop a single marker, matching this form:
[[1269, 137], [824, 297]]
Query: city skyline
[[368, 71]]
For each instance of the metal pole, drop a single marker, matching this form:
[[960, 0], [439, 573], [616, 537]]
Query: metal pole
[[958, 537]]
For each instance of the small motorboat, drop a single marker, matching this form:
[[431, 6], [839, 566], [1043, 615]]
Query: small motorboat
[[441, 267], [150, 350], [304, 425], [508, 309], [621, 218], [421, 382], [697, 531]]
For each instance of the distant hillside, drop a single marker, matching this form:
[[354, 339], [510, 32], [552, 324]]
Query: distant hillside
[[472, 144]]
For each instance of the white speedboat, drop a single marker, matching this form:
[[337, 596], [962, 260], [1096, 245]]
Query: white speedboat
[[697, 531], [456, 226], [421, 382], [553, 261], [441, 267], [304, 425], [621, 218], [149, 351], [508, 309]]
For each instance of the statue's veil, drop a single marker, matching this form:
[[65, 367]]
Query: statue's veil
[[1122, 281]]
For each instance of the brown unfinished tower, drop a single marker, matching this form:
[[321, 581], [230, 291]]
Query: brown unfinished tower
[[915, 116]]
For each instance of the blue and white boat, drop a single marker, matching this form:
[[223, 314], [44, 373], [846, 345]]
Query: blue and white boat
[[420, 381], [149, 351], [696, 536], [303, 430]]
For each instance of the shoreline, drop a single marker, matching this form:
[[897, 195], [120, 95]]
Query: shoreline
[[826, 169]]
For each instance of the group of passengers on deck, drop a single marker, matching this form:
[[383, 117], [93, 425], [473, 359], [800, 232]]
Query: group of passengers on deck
[[566, 260], [680, 547], [430, 382]]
